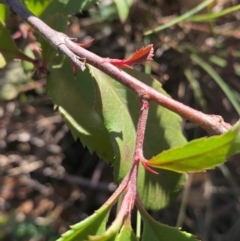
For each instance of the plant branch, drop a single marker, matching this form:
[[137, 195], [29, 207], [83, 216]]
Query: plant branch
[[129, 183], [212, 123]]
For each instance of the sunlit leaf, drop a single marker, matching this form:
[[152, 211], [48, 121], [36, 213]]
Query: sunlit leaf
[[140, 56], [123, 8], [2, 61], [76, 99], [126, 233], [110, 234], [37, 7], [4, 12], [200, 154], [119, 108], [93, 225], [155, 231]]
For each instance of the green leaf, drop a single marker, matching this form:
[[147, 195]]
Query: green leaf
[[155, 231], [111, 101], [126, 233], [181, 18], [8, 47], [4, 12], [93, 225], [119, 108], [110, 234], [59, 23], [200, 154], [123, 8], [2, 61], [37, 7], [75, 98], [221, 83]]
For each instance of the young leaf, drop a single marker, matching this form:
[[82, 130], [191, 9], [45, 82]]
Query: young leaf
[[110, 234], [139, 57], [119, 109], [155, 231], [126, 233], [75, 98], [200, 154], [93, 225]]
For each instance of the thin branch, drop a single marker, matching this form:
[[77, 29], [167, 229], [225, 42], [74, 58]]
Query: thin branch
[[141, 125], [212, 123], [130, 181]]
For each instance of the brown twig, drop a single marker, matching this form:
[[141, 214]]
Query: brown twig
[[212, 123]]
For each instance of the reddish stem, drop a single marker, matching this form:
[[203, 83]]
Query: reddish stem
[[212, 123]]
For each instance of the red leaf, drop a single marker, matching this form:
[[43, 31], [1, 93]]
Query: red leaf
[[140, 56]]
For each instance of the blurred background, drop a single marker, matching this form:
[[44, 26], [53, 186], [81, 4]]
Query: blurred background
[[49, 182]]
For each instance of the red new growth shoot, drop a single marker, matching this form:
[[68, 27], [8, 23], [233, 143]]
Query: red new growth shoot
[[139, 57], [144, 162]]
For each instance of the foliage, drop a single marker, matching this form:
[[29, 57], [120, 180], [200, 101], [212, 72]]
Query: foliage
[[104, 115]]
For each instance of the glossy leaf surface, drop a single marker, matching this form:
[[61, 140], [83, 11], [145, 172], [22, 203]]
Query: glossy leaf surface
[[200, 154], [119, 108], [93, 225]]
